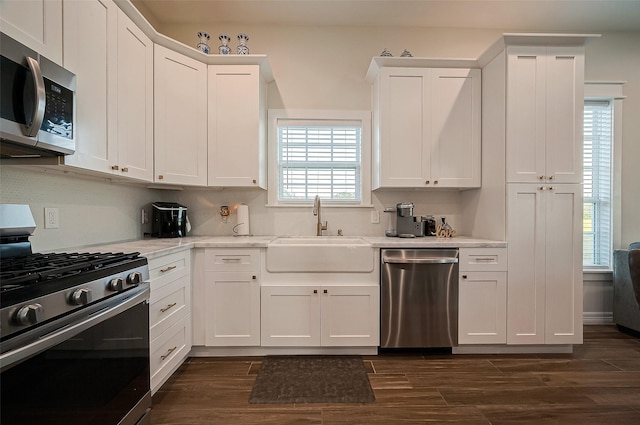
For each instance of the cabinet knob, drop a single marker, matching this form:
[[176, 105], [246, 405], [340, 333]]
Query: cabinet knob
[[115, 167], [125, 170], [160, 177], [550, 187], [254, 181], [315, 291], [550, 177], [464, 276], [254, 277], [541, 178], [427, 182], [325, 291], [435, 182], [541, 188]]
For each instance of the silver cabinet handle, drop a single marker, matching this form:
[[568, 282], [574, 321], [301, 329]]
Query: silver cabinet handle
[[168, 307], [231, 260], [485, 259], [171, 350], [39, 98], [168, 269]]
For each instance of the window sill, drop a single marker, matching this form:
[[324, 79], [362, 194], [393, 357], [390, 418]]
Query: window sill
[[590, 275]]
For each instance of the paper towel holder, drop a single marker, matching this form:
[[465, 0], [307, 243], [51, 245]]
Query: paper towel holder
[[242, 227]]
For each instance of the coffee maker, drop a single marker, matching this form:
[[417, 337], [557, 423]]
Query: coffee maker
[[407, 225]]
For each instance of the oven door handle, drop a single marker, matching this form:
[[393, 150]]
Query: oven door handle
[[69, 330]]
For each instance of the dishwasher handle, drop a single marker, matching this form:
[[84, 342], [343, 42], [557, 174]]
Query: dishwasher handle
[[425, 260]]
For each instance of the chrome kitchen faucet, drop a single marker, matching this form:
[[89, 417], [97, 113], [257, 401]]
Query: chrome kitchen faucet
[[316, 211]]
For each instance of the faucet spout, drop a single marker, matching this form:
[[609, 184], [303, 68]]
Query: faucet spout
[[316, 212]]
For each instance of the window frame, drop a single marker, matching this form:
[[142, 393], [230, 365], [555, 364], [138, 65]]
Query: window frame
[[319, 116], [612, 92]]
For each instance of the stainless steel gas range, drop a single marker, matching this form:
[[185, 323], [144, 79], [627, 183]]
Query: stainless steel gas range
[[74, 333]]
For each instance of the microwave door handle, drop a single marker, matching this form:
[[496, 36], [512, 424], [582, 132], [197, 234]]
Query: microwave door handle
[[39, 99]]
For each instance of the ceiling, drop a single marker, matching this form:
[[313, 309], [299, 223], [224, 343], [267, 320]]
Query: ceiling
[[518, 15]]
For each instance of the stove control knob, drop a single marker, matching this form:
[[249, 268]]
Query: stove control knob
[[29, 314], [116, 284], [80, 296], [134, 278]]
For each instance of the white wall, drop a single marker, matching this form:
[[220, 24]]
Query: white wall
[[92, 211]]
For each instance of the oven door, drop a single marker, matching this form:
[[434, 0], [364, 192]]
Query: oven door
[[90, 370]]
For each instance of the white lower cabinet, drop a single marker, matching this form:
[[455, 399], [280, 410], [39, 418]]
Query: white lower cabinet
[[482, 302], [169, 315], [314, 316], [232, 297]]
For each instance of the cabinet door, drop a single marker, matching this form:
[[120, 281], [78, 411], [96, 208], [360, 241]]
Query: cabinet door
[[564, 114], [36, 23], [482, 307], [526, 114], [90, 43], [233, 309], [455, 134], [350, 316], [404, 127], [135, 101], [563, 298], [290, 316], [180, 107], [237, 119], [526, 263]]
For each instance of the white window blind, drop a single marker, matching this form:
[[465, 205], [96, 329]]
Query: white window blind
[[598, 142], [319, 158]]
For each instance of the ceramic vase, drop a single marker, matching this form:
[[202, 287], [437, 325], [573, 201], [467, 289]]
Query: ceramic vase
[[224, 48], [202, 45], [242, 47]]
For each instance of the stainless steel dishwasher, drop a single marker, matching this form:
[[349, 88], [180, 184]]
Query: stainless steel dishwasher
[[419, 298]]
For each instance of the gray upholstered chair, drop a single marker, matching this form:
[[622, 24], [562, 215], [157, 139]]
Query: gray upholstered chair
[[626, 300], [634, 271]]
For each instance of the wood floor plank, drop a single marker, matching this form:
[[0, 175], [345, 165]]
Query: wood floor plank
[[404, 416], [559, 415], [470, 380], [553, 365], [280, 416], [591, 379]]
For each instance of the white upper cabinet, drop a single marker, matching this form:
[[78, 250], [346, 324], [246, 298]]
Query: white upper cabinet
[[237, 121], [180, 107], [544, 113], [135, 101], [36, 24], [113, 62], [90, 44], [427, 127]]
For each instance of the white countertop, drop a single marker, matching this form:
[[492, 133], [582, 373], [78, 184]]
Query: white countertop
[[154, 247]]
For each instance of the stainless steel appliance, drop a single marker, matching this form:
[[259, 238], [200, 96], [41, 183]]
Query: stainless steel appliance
[[169, 220], [419, 298], [74, 334], [37, 103]]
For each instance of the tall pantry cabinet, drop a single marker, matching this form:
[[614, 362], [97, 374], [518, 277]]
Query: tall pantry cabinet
[[542, 94]]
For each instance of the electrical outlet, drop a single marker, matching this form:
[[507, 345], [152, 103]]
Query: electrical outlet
[[375, 216], [51, 218]]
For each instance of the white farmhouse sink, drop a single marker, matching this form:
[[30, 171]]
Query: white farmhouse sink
[[328, 254]]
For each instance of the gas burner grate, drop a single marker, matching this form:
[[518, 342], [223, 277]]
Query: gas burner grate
[[38, 268]]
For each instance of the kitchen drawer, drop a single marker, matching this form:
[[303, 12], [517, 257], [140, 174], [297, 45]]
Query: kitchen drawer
[[232, 260], [168, 305], [168, 351], [483, 259], [166, 269]]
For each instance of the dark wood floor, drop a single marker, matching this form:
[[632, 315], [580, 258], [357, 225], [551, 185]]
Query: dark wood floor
[[597, 384]]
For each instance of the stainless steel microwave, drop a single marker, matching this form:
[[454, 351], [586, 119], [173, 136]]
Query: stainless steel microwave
[[37, 103]]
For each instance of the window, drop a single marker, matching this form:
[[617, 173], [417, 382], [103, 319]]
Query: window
[[319, 153], [598, 177]]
